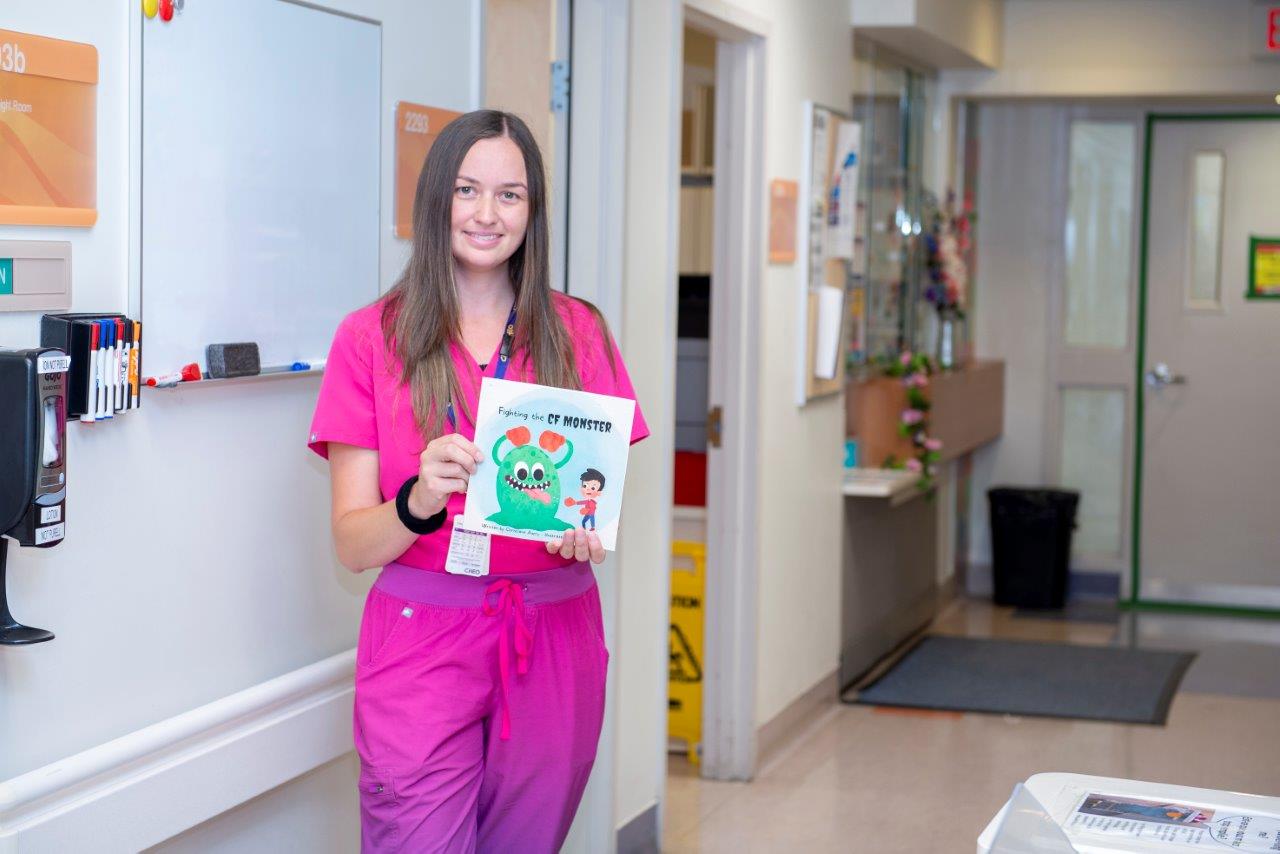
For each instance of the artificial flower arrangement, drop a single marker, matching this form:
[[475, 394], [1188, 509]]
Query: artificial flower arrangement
[[947, 243], [915, 369]]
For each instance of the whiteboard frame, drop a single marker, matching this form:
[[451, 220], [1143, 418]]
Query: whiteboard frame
[[137, 172]]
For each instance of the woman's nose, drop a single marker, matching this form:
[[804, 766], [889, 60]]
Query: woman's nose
[[486, 209]]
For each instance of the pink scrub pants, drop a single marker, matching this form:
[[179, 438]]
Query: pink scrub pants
[[478, 708]]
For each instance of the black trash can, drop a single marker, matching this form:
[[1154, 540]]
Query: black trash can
[[1031, 545]]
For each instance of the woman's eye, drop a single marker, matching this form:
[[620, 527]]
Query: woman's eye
[[464, 190], [522, 471], [509, 196], [538, 472]]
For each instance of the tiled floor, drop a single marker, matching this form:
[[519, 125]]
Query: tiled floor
[[879, 780]]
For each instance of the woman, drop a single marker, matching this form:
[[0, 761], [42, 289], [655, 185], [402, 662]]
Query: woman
[[478, 700]]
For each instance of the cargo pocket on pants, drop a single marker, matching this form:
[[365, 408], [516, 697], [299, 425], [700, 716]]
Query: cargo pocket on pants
[[379, 810]]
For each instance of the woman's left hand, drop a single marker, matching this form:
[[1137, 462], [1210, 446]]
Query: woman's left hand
[[579, 545]]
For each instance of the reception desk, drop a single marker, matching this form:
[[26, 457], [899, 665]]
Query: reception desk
[[890, 587], [894, 552]]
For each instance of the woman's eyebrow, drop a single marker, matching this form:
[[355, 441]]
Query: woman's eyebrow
[[471, 180]]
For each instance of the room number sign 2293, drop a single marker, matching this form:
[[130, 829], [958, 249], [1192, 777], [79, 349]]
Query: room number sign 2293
[[416, 123]]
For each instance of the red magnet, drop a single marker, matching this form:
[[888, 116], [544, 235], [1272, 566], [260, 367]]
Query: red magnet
[[166, 10]]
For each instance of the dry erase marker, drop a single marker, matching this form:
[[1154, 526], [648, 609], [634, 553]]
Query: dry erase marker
[[135, 363], [117, 369], [91, 389], [97, 370], [108, 384], [109, 403], [127, 338], [103, 335]]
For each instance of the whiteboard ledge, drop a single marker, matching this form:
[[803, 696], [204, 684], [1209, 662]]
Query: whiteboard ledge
[[225, 381]]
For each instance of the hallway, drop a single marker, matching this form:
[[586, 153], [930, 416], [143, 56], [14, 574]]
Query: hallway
[[887, 780]]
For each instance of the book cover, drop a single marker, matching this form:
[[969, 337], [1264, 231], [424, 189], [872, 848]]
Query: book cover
[[555, 459]]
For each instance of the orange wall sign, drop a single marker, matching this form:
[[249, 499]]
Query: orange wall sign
[[782, 221], [48, 131], [416, 130]]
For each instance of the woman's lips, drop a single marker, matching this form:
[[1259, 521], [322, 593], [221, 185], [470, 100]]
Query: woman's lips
[[482, 239]]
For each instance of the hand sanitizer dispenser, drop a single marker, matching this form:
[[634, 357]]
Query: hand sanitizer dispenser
[[33, 465]]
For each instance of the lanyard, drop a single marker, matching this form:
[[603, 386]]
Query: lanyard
[[504, 357]]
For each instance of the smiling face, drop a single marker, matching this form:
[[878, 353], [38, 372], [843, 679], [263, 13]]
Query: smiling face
[[490, 209], [591, 489]]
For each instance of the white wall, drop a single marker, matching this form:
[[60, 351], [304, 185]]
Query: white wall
[[648, 335], [315, 812], [221, 576], [808, 57], [1137, 47], [940, 33]]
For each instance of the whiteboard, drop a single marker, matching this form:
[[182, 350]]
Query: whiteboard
[[260, 178]]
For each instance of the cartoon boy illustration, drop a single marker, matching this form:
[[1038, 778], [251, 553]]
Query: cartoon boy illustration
[[592, 487]]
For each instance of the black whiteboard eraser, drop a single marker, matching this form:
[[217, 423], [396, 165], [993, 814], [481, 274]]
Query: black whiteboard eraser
[[232, 360]]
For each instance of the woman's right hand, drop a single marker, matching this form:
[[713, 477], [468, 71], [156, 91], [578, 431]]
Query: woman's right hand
[[445, 467]]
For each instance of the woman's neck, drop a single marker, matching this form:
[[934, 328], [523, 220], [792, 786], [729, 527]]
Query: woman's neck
[[483, 294]]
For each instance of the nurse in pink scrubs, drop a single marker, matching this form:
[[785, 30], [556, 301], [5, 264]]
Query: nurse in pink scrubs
[[479, 700]]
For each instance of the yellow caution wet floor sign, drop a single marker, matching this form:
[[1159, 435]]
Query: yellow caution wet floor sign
[[684, 674]]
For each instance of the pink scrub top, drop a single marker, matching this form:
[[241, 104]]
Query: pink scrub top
[[364, 403]]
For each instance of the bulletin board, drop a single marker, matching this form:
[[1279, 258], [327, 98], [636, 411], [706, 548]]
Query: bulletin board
[[261, 178], [826, 239]]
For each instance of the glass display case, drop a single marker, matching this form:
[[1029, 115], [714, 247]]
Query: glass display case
[[891, 101]]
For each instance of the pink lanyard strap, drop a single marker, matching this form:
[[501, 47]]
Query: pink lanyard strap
[[515, 634]]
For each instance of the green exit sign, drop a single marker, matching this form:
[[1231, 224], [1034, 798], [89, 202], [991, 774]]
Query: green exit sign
[[6, 276]]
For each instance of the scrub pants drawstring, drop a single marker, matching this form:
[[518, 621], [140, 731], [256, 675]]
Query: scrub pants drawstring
[[516, 635]]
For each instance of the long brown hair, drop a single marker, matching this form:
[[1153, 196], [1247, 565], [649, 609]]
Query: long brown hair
[[421, 317]]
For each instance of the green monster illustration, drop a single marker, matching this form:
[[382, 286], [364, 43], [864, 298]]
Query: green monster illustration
[[528, 481]]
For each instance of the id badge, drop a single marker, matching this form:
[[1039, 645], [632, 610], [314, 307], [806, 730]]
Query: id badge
[[468, 551]]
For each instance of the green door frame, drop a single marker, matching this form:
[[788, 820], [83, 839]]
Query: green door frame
[[1135, 600]]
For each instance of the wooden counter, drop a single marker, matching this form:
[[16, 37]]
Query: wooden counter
[[968, 412]]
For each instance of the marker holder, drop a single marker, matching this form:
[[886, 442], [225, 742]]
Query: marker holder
[[13, 633]]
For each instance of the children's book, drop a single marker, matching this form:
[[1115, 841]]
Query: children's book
[[555, 459]]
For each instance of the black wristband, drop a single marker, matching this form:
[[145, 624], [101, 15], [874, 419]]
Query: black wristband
[[418, 526]]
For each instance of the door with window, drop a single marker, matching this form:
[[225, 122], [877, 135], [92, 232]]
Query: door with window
[[1209, 459]]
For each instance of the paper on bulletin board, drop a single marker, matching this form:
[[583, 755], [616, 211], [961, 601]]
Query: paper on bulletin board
[[816, 215], [417, 127], [48, 131], [842, 197], [826, 354]]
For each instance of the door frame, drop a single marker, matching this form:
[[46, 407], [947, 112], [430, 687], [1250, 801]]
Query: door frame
[[1135, 600], [730, 654]]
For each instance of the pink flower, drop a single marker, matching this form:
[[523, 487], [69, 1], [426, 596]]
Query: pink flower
[[933, 444], [914, 465], [918, 380], [905, 358], [912, 416]]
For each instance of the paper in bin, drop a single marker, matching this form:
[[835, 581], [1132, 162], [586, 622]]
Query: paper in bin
[[1028, 828]]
